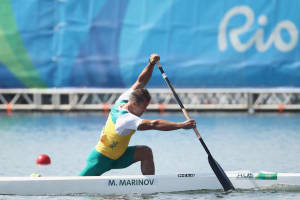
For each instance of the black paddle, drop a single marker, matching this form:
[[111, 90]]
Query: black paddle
[[224, 180]]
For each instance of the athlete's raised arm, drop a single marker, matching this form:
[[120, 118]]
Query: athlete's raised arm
[[146, 74]]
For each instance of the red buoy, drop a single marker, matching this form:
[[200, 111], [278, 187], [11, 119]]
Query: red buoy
[[43, 159]]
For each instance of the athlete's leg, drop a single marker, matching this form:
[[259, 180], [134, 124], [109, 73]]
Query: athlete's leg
[[134, 154], [144, 154], [96, 164], [126, 159]]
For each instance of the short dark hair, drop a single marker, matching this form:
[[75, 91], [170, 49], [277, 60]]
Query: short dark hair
[[140, 95]]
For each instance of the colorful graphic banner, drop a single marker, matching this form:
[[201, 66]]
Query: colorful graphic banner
[[102, 43]]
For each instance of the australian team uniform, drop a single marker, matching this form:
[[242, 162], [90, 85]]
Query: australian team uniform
[[112, 150]]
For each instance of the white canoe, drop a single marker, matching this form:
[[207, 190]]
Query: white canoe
[[116, 185]]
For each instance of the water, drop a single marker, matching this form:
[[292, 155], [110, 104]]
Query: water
[[268, 142]]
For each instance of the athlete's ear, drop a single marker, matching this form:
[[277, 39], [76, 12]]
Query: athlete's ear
[[134, 103]]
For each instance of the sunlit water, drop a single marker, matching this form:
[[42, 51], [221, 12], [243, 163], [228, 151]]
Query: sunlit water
[[268, 142]]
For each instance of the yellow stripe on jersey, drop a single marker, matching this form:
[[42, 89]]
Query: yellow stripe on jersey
[[111, 144]]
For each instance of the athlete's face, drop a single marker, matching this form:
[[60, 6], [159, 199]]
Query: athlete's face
[[140, 108]]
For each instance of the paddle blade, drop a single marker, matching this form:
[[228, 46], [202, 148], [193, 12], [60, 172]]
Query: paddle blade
[[223, 178]]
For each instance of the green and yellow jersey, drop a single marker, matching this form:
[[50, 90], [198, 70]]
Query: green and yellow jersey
[[119, 128]]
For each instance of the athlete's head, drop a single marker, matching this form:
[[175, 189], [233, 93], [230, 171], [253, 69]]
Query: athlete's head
[[140, 99]]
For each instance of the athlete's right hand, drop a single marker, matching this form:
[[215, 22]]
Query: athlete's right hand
[[189, 124]]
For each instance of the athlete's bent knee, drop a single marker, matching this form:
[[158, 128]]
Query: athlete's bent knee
[[143, 153], [148, 153]]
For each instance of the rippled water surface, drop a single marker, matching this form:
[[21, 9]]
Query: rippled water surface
[[268, 142]]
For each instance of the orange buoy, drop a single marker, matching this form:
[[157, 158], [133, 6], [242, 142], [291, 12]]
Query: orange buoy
[[280, 108], [43, 159], [105, 108], [161, 108], [8, 108]]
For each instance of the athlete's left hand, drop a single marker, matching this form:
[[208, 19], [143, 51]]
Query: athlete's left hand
[[154, 58]]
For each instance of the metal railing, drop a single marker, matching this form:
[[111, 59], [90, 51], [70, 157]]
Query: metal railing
[[162, 99]]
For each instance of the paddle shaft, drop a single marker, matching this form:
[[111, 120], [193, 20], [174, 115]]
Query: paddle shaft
[[181, 106], [221, 175]]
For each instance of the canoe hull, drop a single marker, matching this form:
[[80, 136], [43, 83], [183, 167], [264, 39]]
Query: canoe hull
[[116, 185]]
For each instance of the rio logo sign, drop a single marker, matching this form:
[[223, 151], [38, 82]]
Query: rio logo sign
[[257, 39]]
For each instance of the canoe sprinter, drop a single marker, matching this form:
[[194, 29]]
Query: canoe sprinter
[[112, 150]]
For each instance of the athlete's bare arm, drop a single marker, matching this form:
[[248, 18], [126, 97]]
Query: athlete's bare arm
[[164, 125], [146, 74]]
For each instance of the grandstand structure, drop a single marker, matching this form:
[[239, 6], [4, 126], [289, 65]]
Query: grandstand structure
[[89, 99]]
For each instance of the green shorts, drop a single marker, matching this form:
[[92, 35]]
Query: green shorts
[[98, 164]]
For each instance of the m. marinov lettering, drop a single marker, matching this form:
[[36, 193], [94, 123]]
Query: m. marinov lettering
[[131, 182]]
